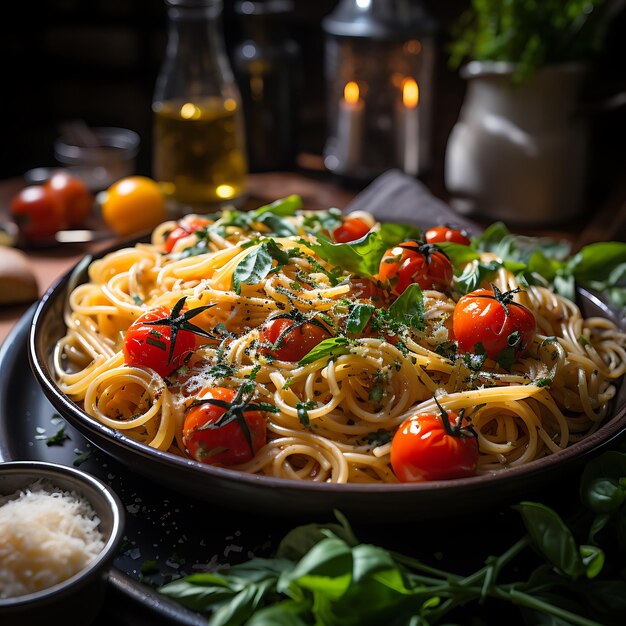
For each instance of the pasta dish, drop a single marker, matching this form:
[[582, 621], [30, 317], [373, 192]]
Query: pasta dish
[[324, 347]]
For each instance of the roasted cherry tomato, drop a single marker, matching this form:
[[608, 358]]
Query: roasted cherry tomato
[[38, 212], [150, 345], [133, 204], [184, 229], [227, 443], [426, 447], [416, 262], [491, 319], [290, 339], [440, 234], [351, 229], [76, 197]]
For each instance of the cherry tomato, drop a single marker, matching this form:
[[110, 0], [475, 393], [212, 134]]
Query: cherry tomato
[[366, 289], [491, 318], [415, 262], [133, 204], [423, 449], [351, 229], [394, 258], [184, 229], [439, 234], [38, 212], [225, 444], [74, 194], [296, 338], [150, 345]]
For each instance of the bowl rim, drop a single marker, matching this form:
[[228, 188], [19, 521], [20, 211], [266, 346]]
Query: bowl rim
[[90, 427], [106, 495]]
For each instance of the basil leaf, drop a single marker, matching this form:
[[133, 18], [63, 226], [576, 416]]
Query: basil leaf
[[253, 268], [278, 226], [333, 346], [358, 318], [393, 234], [608, 466], [597, 260], [282, 207], [604, 495], [258, 264], [408, 309], [286, 613], [519, 248], [552, 538], [200, 592], [361, 257], [331, 557]]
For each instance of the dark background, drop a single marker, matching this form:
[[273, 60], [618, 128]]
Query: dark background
[[98, 61]]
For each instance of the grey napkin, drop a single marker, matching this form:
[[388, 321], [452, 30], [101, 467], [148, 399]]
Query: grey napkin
[[396, 197]]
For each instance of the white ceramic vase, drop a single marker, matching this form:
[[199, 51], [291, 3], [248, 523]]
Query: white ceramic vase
[[518, 152]]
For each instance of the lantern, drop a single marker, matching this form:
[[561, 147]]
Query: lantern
[[379, 78]]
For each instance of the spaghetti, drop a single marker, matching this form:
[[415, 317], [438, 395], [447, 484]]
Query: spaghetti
[[330, 416]]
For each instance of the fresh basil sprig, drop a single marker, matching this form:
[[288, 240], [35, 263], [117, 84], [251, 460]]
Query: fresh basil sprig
[[558, 572], [599, 266]]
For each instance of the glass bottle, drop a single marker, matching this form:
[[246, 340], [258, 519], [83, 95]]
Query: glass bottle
[[266, 65], [198, 134]]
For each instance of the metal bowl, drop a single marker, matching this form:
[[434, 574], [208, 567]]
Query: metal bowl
[[78, 599]]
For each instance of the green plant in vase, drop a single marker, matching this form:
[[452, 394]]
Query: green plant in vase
[[532, 33], [519, 150]]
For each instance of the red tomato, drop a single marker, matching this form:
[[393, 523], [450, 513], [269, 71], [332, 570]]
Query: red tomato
[[224, 444], [147, 345], [351, 229], [395, 257], [184, 229], [38, 212], [423, 449], [494, 320], [366, 289], [76, 197], [415, 262], [439, 234], [296, 338]]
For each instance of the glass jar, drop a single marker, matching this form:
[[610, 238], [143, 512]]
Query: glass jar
[[198, 138]]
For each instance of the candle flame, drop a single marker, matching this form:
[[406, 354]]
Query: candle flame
[[351, 92], [410, 93]]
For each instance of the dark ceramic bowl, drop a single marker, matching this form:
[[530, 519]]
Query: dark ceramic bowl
[[78, 599], [275, 496]]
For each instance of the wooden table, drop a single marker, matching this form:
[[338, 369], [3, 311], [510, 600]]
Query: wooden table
[[318, 191]]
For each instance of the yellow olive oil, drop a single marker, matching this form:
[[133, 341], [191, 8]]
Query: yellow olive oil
[[199, 151]]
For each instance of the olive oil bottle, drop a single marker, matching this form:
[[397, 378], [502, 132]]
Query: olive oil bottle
[[199, 150]]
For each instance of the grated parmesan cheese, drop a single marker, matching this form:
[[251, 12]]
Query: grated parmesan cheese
[[46, 536]]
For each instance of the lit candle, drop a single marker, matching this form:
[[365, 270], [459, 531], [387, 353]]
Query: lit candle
[[350, 127], [408, 127]]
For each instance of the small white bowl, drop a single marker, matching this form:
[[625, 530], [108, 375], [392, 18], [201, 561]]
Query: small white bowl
[[78, 599]]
